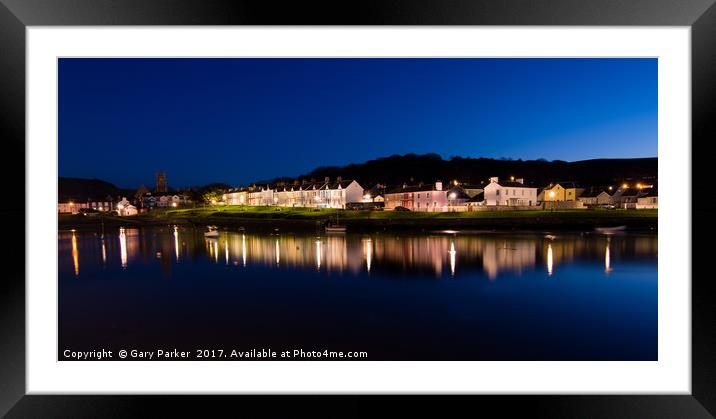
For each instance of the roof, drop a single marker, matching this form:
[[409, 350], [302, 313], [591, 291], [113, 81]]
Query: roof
[[477, 198], [427, 187], [459, 193], [649, 192], [513, 184], [472, 186], [630, 192], [593, 192], [334, 185]]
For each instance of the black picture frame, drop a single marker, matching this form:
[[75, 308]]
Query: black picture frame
[[16, 15]]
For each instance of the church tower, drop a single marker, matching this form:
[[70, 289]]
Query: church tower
[[161, 183]]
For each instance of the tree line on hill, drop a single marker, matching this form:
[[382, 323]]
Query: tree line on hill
[[413, 169], [427, 168]]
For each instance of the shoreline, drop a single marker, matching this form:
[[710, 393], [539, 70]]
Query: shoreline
[[537, 222]]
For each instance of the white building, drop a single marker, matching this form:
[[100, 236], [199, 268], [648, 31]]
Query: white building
[[337, 194], [237, 197], [509, 193], [326, 194], [167, 201], [649, 199], [125, 208]]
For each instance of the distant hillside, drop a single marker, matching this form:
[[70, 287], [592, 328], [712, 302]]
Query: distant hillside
[[412, 168], [83, 189]]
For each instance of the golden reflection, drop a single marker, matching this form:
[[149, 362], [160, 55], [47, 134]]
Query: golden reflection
[[493, 254], [176, 242], [278, 253], [243, 248], [226, 250], [75, 254], [508, 255], [452, 258], [318, 254], [123, 247], [368, 251]]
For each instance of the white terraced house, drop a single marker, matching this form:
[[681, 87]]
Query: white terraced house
[[509, 193], [325, 194]]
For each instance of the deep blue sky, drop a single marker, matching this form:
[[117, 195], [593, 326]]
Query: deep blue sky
[[242, 120]]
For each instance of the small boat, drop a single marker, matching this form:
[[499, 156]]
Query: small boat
[[212, 233], [610, 229], [335, 227]]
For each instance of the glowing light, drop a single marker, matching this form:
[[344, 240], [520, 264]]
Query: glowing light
[[216, 250], [72, 204], [75, 254], [278, 253], [243, 248], [512, 178], [607, 258], [549, 260], [638, 185], [176, 242], [625, 186], [174, 204], [213, 201], [318, 254], [455, 182], [367, 197], [452, 258], [551, 194], [368, 249], [226, 251], [123, 247], [610, 188], [104, 253], [452, 195]]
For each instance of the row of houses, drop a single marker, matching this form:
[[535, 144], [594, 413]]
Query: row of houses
[[121, 205], [326, 194], [436, 197]]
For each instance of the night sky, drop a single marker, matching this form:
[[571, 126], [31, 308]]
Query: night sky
[[243, 120]]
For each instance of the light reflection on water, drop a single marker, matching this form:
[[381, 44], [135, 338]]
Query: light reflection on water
[[492, 253], [399, 296]]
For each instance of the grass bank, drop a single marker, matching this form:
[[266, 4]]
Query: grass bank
[[311, 218]]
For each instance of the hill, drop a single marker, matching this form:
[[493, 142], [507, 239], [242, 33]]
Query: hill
[[88, 189], [413, 168]]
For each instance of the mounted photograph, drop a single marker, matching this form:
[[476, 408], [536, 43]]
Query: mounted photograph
[[357, 209]]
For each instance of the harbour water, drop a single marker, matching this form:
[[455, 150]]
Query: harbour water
[[439, 295]]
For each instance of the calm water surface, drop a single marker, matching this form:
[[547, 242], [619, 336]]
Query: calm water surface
[[422, 296]]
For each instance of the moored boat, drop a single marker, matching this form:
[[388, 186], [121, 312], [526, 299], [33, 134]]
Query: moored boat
[[212, 233], [610, 229]]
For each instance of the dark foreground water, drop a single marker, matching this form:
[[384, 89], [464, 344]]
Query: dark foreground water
[[423, 296]]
